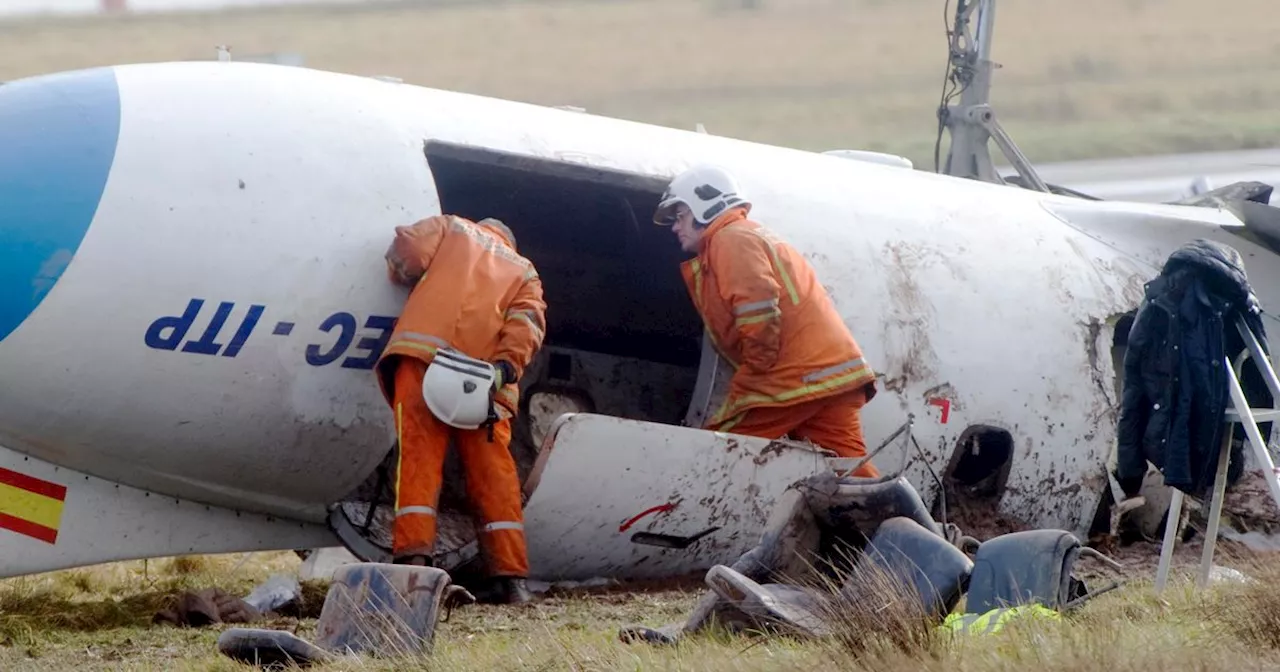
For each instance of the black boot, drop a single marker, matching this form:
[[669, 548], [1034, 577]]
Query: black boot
[[505, 590], [516, 590]]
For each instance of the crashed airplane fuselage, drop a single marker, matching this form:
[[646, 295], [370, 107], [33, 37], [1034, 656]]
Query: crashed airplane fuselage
[[193, 295]]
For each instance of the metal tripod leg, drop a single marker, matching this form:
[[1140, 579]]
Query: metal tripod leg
[[1170, 538], [1260, 359], [1215, 508], [1256, 441]]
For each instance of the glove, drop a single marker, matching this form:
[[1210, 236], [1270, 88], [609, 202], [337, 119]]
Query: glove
[[505, 374]]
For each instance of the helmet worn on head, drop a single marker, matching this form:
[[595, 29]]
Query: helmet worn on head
[[708, 191]]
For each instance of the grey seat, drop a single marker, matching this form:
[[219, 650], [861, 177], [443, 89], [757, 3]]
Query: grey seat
[[1022, 568], [932, 569]]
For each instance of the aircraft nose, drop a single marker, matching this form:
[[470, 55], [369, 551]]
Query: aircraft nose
[[58, 138]]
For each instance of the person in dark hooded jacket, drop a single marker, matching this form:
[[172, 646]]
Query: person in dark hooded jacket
[[1175, 383]]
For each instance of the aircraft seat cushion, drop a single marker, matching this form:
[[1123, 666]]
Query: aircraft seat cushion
[[795, 609], [930, 567], [1022, 568], [270, 648], [864, 504]]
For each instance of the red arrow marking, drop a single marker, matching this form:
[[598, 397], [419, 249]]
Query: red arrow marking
[[945, 405], [661, 507]]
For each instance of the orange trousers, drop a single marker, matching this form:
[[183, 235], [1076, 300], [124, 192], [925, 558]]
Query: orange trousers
[[490, 472], [833, 423]]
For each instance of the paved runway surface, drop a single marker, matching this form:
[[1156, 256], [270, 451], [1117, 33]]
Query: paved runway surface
[[1161, 178]]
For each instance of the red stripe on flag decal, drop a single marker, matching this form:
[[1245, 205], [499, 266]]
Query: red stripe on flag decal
[[32, 484], [46, 534]]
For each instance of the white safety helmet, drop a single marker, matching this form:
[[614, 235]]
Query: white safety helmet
[[708, 191], [456, 389]]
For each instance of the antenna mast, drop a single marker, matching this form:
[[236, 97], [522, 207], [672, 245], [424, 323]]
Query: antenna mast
[[973, 122]]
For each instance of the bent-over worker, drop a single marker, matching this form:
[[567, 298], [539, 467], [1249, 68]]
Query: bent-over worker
[[472, 295], [797, 369]]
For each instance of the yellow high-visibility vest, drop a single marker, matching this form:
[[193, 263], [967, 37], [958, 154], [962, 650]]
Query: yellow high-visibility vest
[[993, 620]]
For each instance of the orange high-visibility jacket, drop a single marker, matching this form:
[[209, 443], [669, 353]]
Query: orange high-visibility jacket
[[769, 316], [471, 292]]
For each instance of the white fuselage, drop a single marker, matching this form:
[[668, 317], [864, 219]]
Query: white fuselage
[[269, 194]]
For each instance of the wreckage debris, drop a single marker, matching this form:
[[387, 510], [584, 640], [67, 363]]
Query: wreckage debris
[[374, 608], [206, 607], [279, 594], [273, 594], [873, 547]]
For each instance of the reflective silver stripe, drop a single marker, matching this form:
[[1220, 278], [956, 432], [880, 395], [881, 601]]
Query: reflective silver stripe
[[523, 313], [968, 620], [994, 619], [754, 306], [413, 335], [832, 370], [537, 328], [411, 510], [502, 525]]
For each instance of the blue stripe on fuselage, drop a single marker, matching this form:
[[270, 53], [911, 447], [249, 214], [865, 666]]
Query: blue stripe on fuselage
[[58, 138]]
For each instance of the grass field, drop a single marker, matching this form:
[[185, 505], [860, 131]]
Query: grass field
[[99, 619], [1082, 79]]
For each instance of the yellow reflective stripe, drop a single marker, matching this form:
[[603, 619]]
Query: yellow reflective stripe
[[399, 449], [726, 426], [428, 338], [744, 321], [413, 346], [715, 345], [771, 242], [786, 277], [794, 393]]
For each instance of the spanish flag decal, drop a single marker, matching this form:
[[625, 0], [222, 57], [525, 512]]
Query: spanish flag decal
[[31, 506]]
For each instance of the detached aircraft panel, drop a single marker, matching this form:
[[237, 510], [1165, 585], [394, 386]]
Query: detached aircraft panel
[[605, 479]]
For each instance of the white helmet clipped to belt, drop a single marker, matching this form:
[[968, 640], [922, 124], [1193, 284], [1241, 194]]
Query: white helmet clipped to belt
[[456, 389], [708, 191]]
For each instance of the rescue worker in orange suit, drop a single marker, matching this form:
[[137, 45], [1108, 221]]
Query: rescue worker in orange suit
[[798, 372], [472, 294]]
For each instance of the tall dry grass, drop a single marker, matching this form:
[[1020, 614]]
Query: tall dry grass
[[98, 619]]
